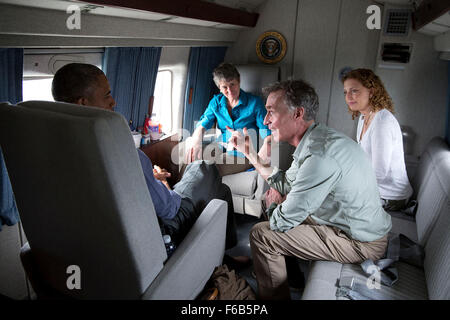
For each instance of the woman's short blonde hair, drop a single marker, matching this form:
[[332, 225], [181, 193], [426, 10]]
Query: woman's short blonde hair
[[379, 99]]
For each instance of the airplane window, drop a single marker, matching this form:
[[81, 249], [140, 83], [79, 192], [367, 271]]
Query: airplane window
[[162, 104], [39, 66], [37, 89]]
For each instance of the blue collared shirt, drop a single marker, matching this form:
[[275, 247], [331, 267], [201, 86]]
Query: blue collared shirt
[[166, 202], [249, 113]]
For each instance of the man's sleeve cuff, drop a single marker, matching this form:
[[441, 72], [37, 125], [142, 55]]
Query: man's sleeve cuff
[[273, 176]]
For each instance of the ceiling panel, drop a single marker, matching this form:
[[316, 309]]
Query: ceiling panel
[[444, 20], [433, 29], [109, 11]]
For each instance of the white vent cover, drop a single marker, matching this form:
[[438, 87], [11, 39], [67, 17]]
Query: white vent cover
[[398, 22]]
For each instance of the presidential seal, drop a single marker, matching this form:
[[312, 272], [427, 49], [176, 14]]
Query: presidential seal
[[271, 47]]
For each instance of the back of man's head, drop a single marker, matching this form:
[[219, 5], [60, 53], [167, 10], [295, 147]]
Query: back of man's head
[[73, 81]]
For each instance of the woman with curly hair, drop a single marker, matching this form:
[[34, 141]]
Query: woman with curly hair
[[379, 135]]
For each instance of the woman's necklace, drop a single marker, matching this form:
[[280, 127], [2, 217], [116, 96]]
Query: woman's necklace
[[367, 121]]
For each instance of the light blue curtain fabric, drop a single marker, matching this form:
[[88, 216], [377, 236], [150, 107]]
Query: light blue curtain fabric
[[11, 74], [202, 62], [131, 73]]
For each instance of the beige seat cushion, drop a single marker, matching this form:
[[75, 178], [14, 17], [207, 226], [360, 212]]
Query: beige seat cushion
[[243, 183]]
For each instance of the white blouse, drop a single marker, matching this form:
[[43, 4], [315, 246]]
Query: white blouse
[[384, 144]]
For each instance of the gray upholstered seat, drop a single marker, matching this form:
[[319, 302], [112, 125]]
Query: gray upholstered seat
[[83, 201], [431, 229]]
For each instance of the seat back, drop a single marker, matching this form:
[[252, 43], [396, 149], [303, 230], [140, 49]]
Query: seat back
[[429, 183], [82, 199], [437, 248], [255, 77], [436, 150]]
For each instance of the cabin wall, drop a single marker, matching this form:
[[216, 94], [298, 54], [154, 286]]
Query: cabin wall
[[324, 36], [332, 35], [419, 91], [274, 15]]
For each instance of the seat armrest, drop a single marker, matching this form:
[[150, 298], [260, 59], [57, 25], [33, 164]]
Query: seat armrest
[[193, 262], [261, 187]]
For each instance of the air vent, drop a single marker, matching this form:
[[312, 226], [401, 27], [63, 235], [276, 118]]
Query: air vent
[[396, 52], [397, 22]]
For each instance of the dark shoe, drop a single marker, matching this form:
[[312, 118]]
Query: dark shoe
[[296, 277], [296, 282], [237, 262]]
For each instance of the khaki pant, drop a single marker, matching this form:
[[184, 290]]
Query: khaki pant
[[308, 241]]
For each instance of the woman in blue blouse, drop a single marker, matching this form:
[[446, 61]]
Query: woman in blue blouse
[[232, 107]]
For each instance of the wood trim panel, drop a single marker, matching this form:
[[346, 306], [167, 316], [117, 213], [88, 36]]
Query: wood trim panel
[[194, 9], [160, 153], [428, 11]]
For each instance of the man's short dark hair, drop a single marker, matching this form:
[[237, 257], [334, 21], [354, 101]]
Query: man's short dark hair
[[73, 81], [298, 94]]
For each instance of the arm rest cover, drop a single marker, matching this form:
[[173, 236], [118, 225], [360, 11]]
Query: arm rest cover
[[194, 261]]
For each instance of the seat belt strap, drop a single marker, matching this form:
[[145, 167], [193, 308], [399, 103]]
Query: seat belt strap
[[401, 248], [383, 271], [350, 289], [411, 208]]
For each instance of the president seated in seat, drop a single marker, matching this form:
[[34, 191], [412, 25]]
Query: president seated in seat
[[177, 209]]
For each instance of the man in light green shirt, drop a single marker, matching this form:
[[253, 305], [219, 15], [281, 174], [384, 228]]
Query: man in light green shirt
[[325, 206]]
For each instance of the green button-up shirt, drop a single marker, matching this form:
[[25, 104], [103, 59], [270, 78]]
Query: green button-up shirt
[[330, 179]]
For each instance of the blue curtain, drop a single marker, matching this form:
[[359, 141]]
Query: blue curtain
[[131, 73], [11, 73], [200, 87]]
